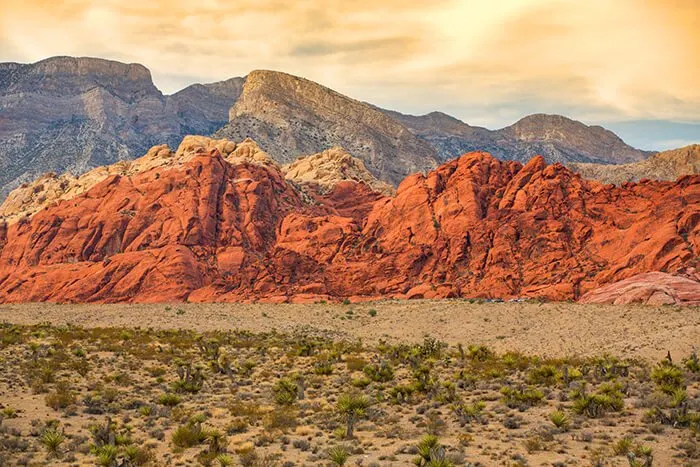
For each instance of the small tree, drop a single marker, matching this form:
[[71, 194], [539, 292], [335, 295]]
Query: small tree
[[353, 407]]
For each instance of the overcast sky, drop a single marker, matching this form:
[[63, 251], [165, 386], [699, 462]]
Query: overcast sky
[[487, 62]]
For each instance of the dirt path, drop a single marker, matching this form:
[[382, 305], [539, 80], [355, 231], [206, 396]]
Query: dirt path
[[551, 329]]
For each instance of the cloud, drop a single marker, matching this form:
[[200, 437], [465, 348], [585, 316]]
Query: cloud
[[484, 60]]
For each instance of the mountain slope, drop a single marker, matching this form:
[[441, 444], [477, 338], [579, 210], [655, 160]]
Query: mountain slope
[[210, 229], [667, 165], [290, 116], [556, 138], [73, 114]]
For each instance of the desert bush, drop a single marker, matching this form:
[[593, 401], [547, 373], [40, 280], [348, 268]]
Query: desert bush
[[468, 413], [190, 378], [189, 434], [323, 367], [169, 399], [668, 378], [285, 391], [282, 420], [546, 375], [607, 399], [521, 398], [382, 373], [61, 397], [431, 453]]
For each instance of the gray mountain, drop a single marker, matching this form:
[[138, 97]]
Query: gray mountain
[[290, 116], [73, 114], [666, 165], [557, 138]]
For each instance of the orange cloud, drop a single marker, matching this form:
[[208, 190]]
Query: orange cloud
[[612, 60]]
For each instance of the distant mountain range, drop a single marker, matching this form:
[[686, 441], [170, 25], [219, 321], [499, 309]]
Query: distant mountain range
[[666, 165], [74, 114], [78, 113]]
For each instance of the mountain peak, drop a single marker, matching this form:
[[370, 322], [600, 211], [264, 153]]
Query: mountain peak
[[291, 116]]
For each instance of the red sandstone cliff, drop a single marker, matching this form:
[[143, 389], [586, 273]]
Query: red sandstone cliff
[[211, 230]]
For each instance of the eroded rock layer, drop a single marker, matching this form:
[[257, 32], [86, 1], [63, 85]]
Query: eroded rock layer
[[210, 229]]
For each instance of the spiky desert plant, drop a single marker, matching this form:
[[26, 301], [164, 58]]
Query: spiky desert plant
[[560, 419], [285, 391], [668, 377], [353, 407], [338, 455], [224, 460], [52, 440], [431, 453]]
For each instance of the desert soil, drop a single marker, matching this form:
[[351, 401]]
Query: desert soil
[[544, 329]]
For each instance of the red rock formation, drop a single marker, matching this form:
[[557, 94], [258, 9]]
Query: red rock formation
[[651, 288], [476, 226]]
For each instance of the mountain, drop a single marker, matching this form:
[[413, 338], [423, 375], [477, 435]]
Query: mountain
[[556, 138], [667, 165], [290, 116], [214, 227], [74, 114], [315, 174]]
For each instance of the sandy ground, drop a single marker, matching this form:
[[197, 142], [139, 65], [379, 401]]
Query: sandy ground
[[548, 329]]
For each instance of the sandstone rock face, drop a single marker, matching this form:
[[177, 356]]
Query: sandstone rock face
[[557, 138], [652, 288], [290, 116], [30, 198], [667, 165], [73, 114], [328, 168], [212, 230]]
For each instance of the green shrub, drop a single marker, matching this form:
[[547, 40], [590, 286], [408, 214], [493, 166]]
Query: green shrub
[[668, 378], [382, 373], [61, 397], [169, 399], [285, 391], [521, 398], [546, 375], [190, 434], [560, 419]]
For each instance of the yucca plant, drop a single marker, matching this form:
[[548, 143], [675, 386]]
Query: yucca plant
[[224, 460], [52, 441], [431, 453], [285, 391], [338, 455], [106, 455], [353, 407], [560, 419]]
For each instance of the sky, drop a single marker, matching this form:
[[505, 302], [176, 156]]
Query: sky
[[631, 65]]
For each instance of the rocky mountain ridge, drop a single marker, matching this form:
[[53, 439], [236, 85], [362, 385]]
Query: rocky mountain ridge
[[322, 172], [556, 138], [291, 116], [214, 229], [666, 165], [73, 114]]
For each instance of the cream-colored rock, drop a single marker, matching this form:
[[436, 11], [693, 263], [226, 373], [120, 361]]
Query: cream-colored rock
[[667, 165], [330, 167], [31, 198]]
